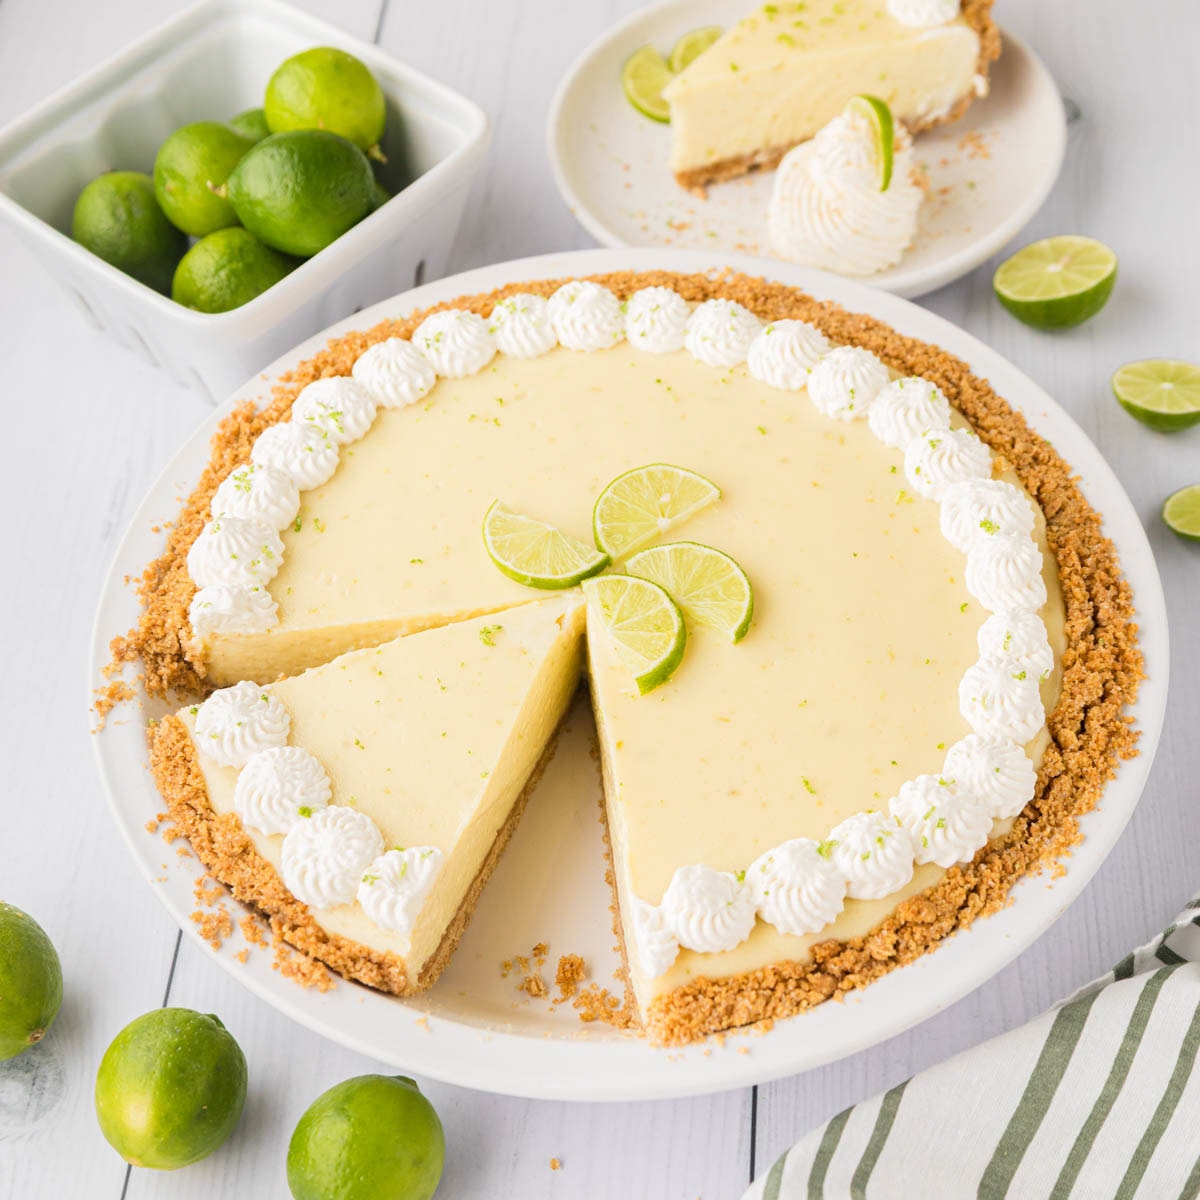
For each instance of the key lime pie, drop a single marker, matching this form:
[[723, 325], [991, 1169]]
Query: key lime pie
[[857, 649], [785, 71]]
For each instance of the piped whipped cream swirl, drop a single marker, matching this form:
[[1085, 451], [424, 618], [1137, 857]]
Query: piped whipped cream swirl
[[981, 508], [325, 855], [873, 853], [826, 209], [1018, 635], [656, 320], [237, 722], [995, 769], [235, 550], [719, 332], [907, 408], [232, 608], [280, 787], [844, 384], [586, 316], [708, 910], [457, 343], [257, 493], [302, 451], [999, 697], [522, 326], [339, 407], [785, 352], [395, 372], [795, 887], [940, 458], [656, 946], [1004, 573], [393, 888], [924, 14], [947, 824]]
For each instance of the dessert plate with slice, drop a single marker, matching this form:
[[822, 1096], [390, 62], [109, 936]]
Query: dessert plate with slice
[[986, 163], [671, 642]]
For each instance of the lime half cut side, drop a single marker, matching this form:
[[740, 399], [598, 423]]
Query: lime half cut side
[[536, 554], [644, 623], [691, 45], [707, 584], [1057, 282], [644, 503], [1181, 512], [643, 78], [879, 115], [1163, 393]]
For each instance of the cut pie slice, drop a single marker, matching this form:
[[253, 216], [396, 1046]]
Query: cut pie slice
[[363, 804]]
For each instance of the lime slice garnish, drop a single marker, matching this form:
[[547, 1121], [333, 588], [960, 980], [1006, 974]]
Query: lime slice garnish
[[880, 116], [691, 46], [644, 503], [1163, 393], [644, 623], [537, 554], [1056, 282], [708, 585], [1181, 512], [643, 77]]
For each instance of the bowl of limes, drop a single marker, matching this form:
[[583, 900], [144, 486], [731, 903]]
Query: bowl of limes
[[236, 180]]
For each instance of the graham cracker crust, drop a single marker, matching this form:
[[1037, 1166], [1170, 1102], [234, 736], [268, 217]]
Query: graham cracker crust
[[1089, 729], [978, 14]]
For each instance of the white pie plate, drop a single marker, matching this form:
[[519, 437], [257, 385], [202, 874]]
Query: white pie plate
[[610, 162], [474, 1028]]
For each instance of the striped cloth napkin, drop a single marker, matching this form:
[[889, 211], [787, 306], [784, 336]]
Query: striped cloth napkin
[[1099, 1097]]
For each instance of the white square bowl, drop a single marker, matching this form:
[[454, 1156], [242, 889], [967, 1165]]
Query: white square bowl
[[208, 64]]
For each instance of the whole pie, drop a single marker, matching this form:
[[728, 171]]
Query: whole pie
[[931, 689]]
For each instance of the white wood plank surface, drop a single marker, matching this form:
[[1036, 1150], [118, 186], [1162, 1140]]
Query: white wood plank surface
[[1131, 178]]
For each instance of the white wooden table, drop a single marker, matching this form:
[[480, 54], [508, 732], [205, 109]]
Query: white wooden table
[[87, 426]]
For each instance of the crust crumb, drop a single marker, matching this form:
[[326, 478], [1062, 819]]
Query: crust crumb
[[555, 1164], [571, 971], [595, 1003]]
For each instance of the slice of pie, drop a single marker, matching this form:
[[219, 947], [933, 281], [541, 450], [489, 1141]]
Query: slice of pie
[[787, 70], [362, 804]]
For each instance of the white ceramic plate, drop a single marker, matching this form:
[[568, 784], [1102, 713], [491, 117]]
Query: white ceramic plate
[[474, 1027], [989, 171]]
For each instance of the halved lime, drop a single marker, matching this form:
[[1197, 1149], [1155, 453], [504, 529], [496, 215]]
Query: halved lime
[[537, 554], [644, 622], [644, 503], [1057, 282], [643, 77], [708, 585], [877, 112], [1163, 393], [1181, 512], [691, 45]]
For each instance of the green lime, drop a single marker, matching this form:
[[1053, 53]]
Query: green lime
[[374, 1137], [190, 170], [643, 77], [644, 623], [297, 192], [226, 270], [118, 219], [643, 503], [879, 115], [1057, 282], [380, 196], [691, 46], [31, 984], [709, 586], [1181, 512], [252, 124], [170, 1088], [1163, 393], [537, 554], [326, 88]]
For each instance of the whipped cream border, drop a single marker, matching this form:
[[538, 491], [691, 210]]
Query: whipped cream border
[[723, 335]]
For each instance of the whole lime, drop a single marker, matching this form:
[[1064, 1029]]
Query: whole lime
[[226, 270], [252, 124], [31, 985], [118, 219], [380, 196], [299, 191], [374, 1137], [326, 88], [170, 1088], [190, 171]]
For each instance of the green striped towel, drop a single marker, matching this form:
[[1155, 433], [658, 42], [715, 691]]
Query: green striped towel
[[1099, 1097]]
